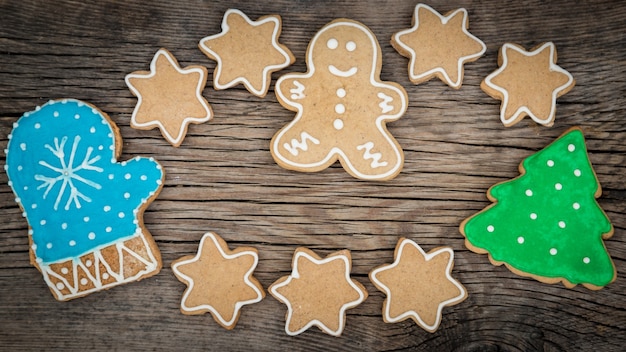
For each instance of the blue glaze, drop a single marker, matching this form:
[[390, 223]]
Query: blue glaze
[[75, 195]]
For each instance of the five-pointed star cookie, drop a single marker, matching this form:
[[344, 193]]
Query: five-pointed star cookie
[[318, 292], [218, 280], [418, 285], [169, 97], [528, 83], [438, 45], [247, 52]]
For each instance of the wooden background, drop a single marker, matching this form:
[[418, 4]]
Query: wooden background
[[224, 179]]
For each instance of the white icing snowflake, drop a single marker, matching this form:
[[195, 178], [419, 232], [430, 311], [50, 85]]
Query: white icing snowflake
[[68, 173]]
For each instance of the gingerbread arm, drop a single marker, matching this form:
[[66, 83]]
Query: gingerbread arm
[[391, 100], [290, 90]]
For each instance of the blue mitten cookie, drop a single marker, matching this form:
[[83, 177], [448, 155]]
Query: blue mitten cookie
[[84, 209]]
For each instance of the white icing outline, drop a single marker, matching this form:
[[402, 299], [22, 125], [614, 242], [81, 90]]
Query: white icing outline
[[296, 274], [444, 20], [524, 109], [157, 123], [266, 70], [411, 313], [379, 121], [190, 281]]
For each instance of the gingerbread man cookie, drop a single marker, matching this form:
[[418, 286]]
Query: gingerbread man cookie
[[342, 107]]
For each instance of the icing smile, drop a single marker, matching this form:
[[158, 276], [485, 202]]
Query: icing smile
[[337, 72]]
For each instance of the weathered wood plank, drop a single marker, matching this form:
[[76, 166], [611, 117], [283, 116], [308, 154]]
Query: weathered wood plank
[[224, 179]]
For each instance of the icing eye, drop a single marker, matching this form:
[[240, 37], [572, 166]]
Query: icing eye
[[332, 43], [350, 46]]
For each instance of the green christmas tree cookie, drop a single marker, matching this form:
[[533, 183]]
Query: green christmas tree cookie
[[546, 223]]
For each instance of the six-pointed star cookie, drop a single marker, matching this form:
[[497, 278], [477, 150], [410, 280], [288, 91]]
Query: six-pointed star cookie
[[318, 292], [528, 83], [169, 97], [218, 280], [418, 285], [438, 45], [247, 52]]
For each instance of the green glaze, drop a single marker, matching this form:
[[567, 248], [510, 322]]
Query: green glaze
[[547, 222]]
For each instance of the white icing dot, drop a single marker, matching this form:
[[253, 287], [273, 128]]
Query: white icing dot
[[553, 251], [126, 195], [23, 146], [64, 226], [92, 129], [533, 216], [88, 263], [77, 116], [91, 236], [158, 182], [111, 176], [60, 285], [72, 243], [26, 188], [100, 147], [558, 186], [577, 173], [529, 192], [42, 222], [520, 240], [121, 215], [490, 228], [34, 247], [84, 281], [107, 208], [18, 200], [86, 219], [586, 260], [562, 224], [127, 176], [94, 111], [55, 114], [39, 260], [124, 163], [350, 46], [550, 163], [34, 206], [64, 271], [341, 92], [105, 276], [158, 166], [571, 147], [108, 229], [49, 245], [143, 177], [19, 168], [332, 43], [338, 124], [340, 108], [576, 206]]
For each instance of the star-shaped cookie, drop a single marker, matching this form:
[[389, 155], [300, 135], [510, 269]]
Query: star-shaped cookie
[[418, 285], [318, 292], [218, 280], [528, 83], [438, 46], [247, 52], [169, 97]]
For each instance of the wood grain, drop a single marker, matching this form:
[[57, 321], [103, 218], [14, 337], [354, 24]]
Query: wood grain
[[223, 178]]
